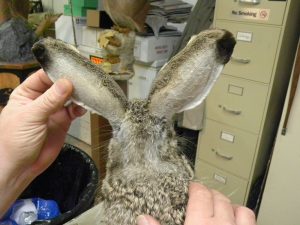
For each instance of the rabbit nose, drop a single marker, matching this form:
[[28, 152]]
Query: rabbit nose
[[225, 46]]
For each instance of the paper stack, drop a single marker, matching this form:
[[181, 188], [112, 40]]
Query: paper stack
[[175, 11]]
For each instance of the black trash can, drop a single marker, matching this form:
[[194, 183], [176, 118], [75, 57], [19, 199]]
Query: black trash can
[[71, 181]]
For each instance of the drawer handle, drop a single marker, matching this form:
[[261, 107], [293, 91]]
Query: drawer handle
[[222, 155], [254, 2], [234, 112], [240, 60]]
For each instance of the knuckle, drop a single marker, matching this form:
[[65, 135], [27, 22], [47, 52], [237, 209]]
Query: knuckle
[[49, 101]]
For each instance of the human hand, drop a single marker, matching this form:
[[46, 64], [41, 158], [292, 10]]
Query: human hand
[[209, 207], [33, 127]]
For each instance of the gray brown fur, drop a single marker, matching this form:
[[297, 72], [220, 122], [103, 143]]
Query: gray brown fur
[[146, 173]]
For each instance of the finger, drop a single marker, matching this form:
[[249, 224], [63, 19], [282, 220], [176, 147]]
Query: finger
[[200, 204], [34, 85], [146, 220], [63, 118], [244, 216], [223, 207], [52, 100], [76, 111]]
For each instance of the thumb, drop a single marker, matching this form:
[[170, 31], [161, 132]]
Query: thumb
[[146, 220], [53, 99]]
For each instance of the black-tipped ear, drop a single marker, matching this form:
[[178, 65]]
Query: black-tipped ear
[[93, 88], [225, 46], [186, 80]]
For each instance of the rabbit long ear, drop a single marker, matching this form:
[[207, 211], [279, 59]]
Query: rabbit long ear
[[186, 80], [93, 88], [177, 91], [98, 92], [101, 95]]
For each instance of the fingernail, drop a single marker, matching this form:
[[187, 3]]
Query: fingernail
[[61, 87], [142, 220], [79, 111]]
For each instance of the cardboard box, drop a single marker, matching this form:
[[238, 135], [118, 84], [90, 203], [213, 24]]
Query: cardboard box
[[89, 37], [81, 129], [63, 29], [150, 49], [77, 11], [156, 64], [140, 84], [193, 118], [64, 32], [99, 19], [87, 51]]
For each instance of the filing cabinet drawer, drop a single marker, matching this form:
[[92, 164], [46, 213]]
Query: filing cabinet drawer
[[255, 51], [227, 148], [230, 185], [265, 11], [237, 102]]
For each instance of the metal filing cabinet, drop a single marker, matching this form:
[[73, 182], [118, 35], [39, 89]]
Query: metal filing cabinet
[[244, 107]]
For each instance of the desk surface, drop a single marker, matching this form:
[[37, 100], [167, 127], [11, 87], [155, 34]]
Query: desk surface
[[19, 66]]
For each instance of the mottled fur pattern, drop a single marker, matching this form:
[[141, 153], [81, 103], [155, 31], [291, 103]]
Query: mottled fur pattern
[[146, 173]]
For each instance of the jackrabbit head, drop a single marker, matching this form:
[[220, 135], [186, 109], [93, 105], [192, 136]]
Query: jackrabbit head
[[145, 173]]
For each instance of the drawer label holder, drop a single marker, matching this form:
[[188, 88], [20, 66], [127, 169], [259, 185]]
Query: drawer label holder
[[244, 36], [220, 178], [227, 137]]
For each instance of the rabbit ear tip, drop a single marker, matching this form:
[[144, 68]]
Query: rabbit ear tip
[[225, 46]]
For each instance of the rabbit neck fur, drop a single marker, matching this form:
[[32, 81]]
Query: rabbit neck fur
[[144, 141], [145, 173]]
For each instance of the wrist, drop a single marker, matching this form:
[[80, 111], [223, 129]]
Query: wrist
[[10, 189], [12, 184]]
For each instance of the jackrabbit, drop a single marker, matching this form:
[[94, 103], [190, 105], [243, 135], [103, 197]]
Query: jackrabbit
[[145, 172]]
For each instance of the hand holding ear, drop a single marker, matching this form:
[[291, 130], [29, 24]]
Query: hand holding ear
[[33, 128]]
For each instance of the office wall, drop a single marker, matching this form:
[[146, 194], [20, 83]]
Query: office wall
[[281, 199]]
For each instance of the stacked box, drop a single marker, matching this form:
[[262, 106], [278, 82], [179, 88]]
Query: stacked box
[[77, 11], [81, 129], [80, 7], [99, 19], [64, 32], [85, 3], [150, 49]]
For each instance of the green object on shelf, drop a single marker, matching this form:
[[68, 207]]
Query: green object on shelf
[[77, 11], [85, 3]]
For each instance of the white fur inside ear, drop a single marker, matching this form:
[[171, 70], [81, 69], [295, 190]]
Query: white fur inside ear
[[74, 48], [192, 38], [86, 107], [215, 73]]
